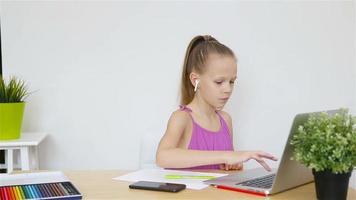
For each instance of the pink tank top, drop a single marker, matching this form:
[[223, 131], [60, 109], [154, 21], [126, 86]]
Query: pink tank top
[[206, 140]]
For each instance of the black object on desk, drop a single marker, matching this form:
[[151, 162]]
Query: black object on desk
[[158, 186]]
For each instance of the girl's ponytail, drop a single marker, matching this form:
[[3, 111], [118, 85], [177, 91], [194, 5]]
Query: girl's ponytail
[[187, 90]]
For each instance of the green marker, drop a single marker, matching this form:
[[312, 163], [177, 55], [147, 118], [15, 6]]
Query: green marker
[[174, 176]]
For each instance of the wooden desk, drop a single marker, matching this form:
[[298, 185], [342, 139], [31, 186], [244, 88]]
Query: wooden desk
[[99, 185]]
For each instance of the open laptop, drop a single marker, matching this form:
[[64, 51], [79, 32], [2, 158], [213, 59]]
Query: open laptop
[[258, 181]]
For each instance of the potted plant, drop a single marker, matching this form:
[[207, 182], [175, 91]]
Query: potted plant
[[12, 105], [327, 144]]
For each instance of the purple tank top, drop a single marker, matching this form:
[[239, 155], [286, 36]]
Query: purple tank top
[[206, 140]]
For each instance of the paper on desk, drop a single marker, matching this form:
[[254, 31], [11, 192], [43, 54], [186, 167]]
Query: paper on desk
[[158, 175]]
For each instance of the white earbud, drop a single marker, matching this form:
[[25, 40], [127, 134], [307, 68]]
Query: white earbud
[[196, 85]]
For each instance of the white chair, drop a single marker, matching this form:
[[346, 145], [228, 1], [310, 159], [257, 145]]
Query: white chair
[[148, 146]]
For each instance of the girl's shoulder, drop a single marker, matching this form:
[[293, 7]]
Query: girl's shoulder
[[180, 117], [225, 115]]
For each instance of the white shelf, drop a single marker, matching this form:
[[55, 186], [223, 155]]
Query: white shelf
[[27, 139], [27, 145]]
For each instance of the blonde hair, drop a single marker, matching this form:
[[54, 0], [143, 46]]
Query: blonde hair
[[196, 56]]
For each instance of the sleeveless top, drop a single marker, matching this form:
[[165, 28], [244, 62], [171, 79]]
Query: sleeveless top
[[206, 140]]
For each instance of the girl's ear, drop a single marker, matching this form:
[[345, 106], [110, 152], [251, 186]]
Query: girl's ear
[[194, 78]]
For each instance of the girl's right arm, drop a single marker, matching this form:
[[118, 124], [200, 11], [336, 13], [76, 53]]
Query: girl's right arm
[[170, 156]]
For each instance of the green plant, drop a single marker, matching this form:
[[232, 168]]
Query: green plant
[[13, 91], [327, 142]]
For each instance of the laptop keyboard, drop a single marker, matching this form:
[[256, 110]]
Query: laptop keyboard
[[264, 182]]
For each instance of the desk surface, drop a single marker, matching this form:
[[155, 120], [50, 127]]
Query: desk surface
[[99, 185]]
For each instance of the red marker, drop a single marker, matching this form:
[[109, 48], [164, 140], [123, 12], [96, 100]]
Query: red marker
[[241, 190]]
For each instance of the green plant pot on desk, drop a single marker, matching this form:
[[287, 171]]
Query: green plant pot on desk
[[326, 143], [12, 105]]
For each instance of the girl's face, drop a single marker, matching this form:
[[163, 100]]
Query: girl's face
[[217, 81]]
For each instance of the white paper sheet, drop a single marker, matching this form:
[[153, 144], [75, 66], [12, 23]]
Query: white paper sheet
[[158, 175]]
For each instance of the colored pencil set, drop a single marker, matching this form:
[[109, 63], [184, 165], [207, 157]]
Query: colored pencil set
[[60, 190]]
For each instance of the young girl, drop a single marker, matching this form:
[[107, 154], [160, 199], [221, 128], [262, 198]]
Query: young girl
[[199, 134]]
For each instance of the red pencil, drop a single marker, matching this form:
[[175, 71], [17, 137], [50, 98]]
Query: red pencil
[[241, 190], [7, 195], [2, 194]]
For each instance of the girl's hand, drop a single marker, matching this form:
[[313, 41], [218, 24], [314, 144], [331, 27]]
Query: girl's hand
[[231, 167], [234, 157]]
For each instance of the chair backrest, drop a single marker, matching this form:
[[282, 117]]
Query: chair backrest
[[148, 147]]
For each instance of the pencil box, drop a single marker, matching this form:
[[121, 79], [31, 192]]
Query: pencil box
[[39, 185]]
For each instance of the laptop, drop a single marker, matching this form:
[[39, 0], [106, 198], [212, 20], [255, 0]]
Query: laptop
[[258, 181]]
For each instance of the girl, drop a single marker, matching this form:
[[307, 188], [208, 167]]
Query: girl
[[199, 134]]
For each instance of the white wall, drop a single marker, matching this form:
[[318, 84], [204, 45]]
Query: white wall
[[354, 100], [353, 177], [106, 74], [295, 57]]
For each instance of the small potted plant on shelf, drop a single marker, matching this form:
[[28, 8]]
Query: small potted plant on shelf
[[326, 143], [12, 105]]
